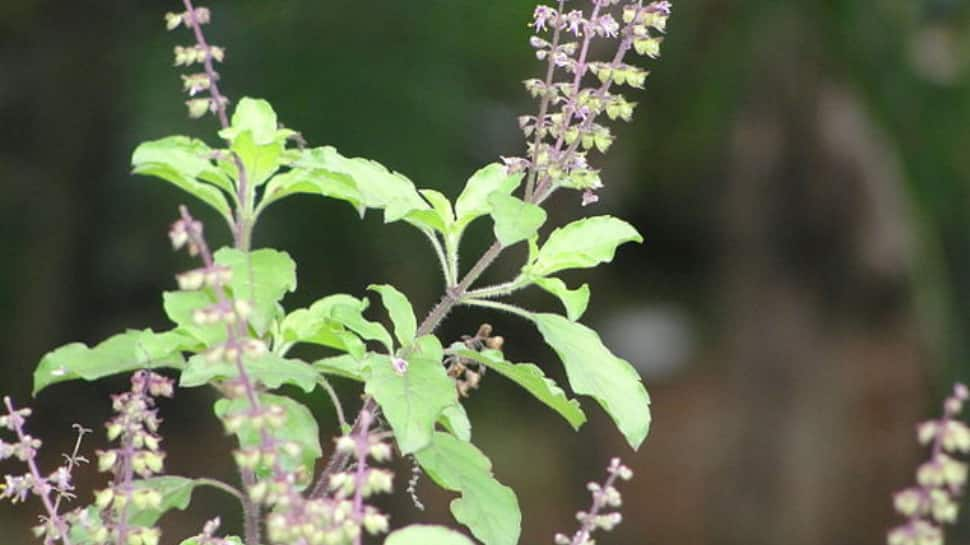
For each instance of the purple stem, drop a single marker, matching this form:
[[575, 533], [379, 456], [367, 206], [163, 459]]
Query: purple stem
[[544, 104], [545, 185], [234, 332], [243, 228], [360, 476], [599, 502], [42, 487], [219, 101]]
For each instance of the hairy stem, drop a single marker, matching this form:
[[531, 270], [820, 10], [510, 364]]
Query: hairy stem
[[442, 259], [498, 306], [498, 290]]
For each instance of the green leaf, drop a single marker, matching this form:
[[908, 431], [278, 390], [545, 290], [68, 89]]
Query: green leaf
[[257, 117], [180, 305], [473, 201], [375, 184], [400, 310], [455, 420], [352, 317], [262, 277], [595, 371], [575, 300], [582, 244], [317, 325], [441, 205], [412, 401], [269, 369], [176, 494], [533, 380], [419, 534], [488, 508], [84, 534], [183, 162], [439, 218], [515, 219], [255, 137], [313, 182], [429, 347], [261, 161], [121, 353], [300, 428], [342, 366]]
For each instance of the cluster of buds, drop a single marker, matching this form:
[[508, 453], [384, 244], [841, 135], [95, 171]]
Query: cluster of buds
[[185, 233], [187, 56], [233, 313], [223, 312], [17, 488], [205, 277], [135, 427], [468, 373], [340, 517], [566, 127], [605, 498], [199, 53], [940, 480]]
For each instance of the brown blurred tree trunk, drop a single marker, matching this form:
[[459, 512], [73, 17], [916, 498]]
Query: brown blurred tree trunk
[[823, 350]]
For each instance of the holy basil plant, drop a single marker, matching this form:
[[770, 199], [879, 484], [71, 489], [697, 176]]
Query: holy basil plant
[[231, 328]]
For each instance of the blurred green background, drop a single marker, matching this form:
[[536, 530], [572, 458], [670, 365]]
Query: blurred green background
[[799, 171]]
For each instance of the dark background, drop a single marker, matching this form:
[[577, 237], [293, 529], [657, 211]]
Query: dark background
[[798, 168]]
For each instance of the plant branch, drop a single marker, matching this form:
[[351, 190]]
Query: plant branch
[[544, 106], [519, 311], [41, 485], [442, 259], [243, 228], [546, 184], [537, 190], [362, 442], [235, 331], [341, 419], [498, 290], [73, 459], [227, 488], [452, 297], [219, 101]]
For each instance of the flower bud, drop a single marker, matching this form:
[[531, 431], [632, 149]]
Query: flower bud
[[380, 481], [380, 452], [257, 492], [375, 523], [106, 460], [103, 498], [114, 430], [150, 536]]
